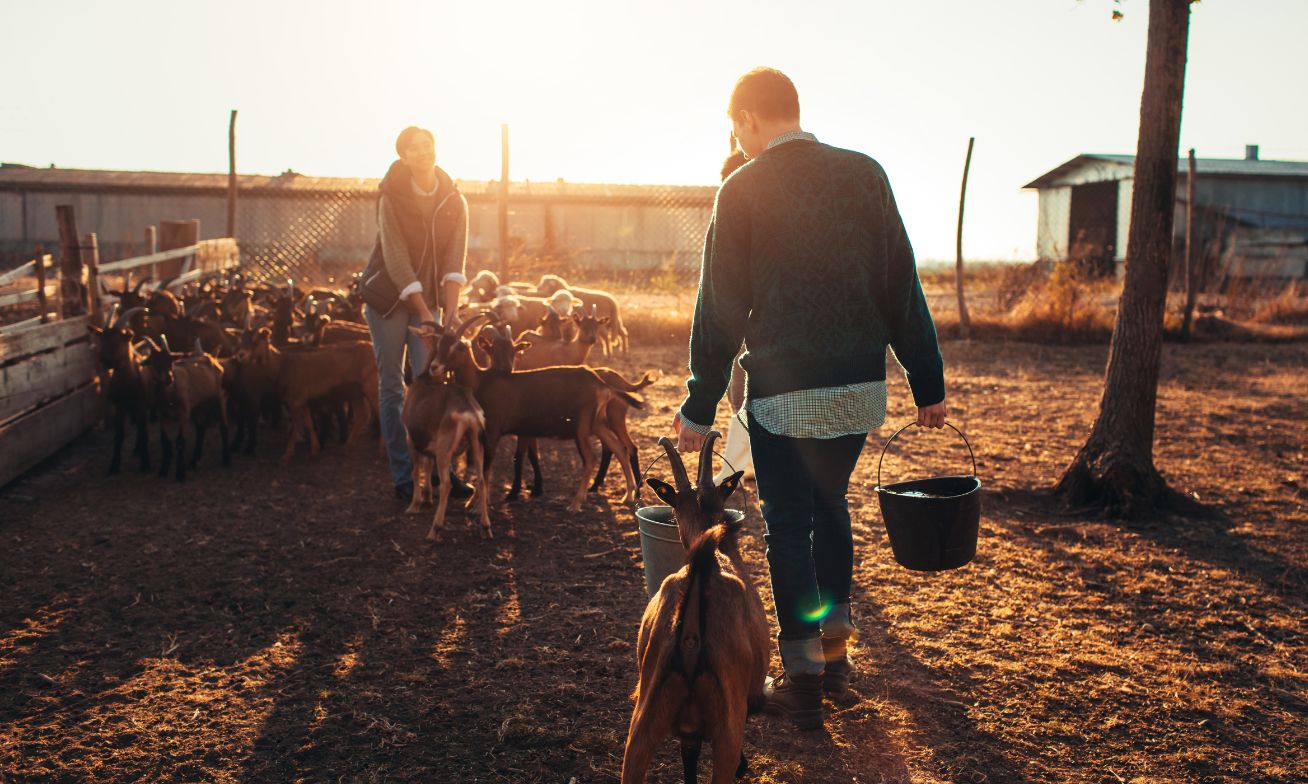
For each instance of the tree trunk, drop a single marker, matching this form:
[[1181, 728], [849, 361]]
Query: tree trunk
[[1115, 468]]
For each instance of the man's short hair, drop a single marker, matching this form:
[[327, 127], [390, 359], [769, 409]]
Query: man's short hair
[[766, 92], [406, 137]]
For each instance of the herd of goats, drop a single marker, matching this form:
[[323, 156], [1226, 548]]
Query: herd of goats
[[514, 362]]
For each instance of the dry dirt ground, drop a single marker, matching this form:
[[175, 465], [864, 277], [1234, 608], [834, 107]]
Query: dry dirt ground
[[261, 624]]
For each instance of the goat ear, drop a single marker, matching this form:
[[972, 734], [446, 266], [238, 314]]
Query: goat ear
[[729, 485], [605, 320], [522, 345], [663, 490], [94, 329]]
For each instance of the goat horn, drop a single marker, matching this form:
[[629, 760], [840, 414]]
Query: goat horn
[[166, 347], [468, 324], [127, 315], [113, 312], [706, 460], [199, 349], [677, 465], [137, 288]]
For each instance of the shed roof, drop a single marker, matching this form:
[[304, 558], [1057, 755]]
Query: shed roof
[[290, 183], [1124, 165]]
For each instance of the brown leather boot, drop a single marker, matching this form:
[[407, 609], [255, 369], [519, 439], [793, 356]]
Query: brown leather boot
[[839, 669], [796, 697]]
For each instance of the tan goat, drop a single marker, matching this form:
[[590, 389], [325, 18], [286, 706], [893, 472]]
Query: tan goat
[[614, 333], [443, 420], [703, 647]]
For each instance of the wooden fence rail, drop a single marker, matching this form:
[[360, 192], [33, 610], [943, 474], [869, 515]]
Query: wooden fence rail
[[23, 270], [49, 378]]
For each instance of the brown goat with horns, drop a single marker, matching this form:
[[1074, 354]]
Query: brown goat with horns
[[703, 647]]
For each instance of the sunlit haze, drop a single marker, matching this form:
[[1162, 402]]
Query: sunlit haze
[[636, 92]]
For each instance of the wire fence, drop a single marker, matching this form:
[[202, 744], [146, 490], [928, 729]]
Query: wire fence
[[322, 236]]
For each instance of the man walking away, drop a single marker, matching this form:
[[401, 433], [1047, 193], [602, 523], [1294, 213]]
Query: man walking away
[[807, 261]]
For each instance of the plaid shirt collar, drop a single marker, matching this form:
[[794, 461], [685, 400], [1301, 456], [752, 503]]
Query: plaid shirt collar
[[790, 137]]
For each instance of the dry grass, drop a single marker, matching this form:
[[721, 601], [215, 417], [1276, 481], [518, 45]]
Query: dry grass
[[1288, 307]]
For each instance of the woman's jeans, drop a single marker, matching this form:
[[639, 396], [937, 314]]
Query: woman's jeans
[[390, 337], [802, 484]]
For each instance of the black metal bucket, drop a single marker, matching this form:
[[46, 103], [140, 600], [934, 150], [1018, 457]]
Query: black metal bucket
[[932, 523]]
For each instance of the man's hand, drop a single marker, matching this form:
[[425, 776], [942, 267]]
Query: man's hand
[[687, 440], [931, 416]]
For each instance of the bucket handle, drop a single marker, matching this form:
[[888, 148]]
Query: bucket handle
[[910, 424], [640, 480]]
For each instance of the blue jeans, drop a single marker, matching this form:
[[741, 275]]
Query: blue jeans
[[390, 337], [802, 484]]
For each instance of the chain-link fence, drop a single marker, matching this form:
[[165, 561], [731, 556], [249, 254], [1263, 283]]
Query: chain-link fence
[[321, 231]]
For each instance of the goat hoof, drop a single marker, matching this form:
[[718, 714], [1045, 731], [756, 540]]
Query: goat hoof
[[486, 533], [432, 536], [413, 509], [537, 492]]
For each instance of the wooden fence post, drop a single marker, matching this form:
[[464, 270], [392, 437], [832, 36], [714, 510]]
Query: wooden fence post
[[91, 260], [231, 176], [151, 246], [177, 234], [504, 203], [40, 284], [72, 294], [964, 323]]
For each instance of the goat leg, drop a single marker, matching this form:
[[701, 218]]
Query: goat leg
[[298, 414], [315, 446], [143, 439], [606, 455], [611, 440], [690, 748], [443, 446], [181, 450], [729, 743], [120, 434], [420, 474], [200, 426], [166, 449], [222, 435], [519, 451], [588, 461], [481, 494], [537, 484]]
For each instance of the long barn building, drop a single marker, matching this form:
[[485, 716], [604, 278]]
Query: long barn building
[[290, 222], [1251, 214]]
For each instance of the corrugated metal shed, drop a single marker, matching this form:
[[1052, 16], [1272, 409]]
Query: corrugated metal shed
[[1091, 166], [1253, 212]]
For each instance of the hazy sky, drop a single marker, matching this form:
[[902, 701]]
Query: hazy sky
[[624, 91]]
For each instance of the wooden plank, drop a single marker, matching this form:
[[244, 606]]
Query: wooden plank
[[144, 261], [23, 270], [18, 326], [32, 438], [44, 377], [43, 338], [26, 296]]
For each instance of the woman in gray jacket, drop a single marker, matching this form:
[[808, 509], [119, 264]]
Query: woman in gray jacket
[[417, 266]]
